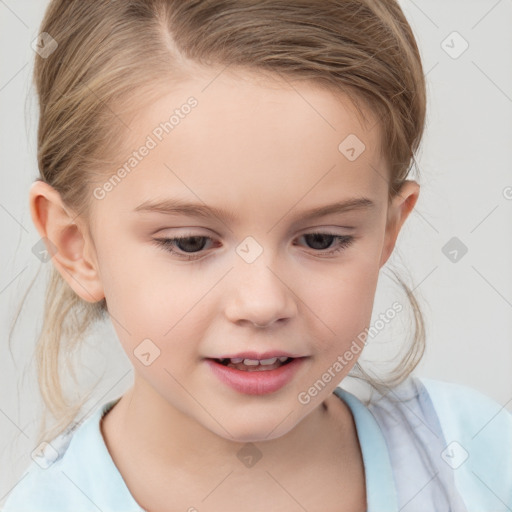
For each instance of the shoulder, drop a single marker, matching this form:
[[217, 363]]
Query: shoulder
[[452, 436], [470, 414], [42, 485], [37, 489], [477, 433], [460, 410], [73, 472]]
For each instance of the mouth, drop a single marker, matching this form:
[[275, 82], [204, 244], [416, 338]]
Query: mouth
[[253, 365], [256, 377]]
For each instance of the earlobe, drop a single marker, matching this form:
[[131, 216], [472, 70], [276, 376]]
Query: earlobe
[[65, 241], [400, 208]]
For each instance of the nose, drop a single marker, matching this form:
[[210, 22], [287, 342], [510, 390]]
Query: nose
[[259, 295]]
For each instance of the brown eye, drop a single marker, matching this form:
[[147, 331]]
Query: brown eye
[[322, 242], [318, 240], [188, 245]]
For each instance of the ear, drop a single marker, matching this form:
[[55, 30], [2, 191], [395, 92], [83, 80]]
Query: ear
[[399, 209], [67, 241]]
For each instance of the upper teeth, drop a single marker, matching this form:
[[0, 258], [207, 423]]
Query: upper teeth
[[254, 362]]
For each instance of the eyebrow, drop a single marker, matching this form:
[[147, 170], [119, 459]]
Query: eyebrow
[[181, 207]]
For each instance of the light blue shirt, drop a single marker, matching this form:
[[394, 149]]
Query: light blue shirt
[[427, 446]]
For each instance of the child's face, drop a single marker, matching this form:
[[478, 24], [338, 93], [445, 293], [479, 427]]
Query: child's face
[[264, 155]]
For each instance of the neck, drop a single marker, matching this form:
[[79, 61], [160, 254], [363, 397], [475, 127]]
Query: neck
[[148, 421], [166, 444]]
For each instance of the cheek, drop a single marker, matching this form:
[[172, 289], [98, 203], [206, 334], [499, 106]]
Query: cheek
[[346, 286], [155, 302], [340, 302], [137, 290]]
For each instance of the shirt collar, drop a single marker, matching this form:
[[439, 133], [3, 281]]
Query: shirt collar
[[97, 475], [381, 494], [380, 486]]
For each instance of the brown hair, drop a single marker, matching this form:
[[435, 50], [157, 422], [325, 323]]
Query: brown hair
[[111, 56]]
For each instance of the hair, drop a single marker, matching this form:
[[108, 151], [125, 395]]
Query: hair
[[113, 56]]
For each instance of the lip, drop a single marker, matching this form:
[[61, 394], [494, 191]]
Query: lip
[[256, 355], [256, 382]]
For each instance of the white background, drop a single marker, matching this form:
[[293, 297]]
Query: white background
[[465, 166]]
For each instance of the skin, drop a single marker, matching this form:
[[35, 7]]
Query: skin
[[262, 150]]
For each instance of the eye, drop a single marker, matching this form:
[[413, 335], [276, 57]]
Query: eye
[[195, 245], [341, 241], [191, 246]]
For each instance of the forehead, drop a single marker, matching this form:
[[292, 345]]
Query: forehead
[[235, 138]]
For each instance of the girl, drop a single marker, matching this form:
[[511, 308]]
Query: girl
[[225, 179]]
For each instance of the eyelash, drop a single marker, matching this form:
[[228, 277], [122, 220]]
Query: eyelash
[[343, 241]]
